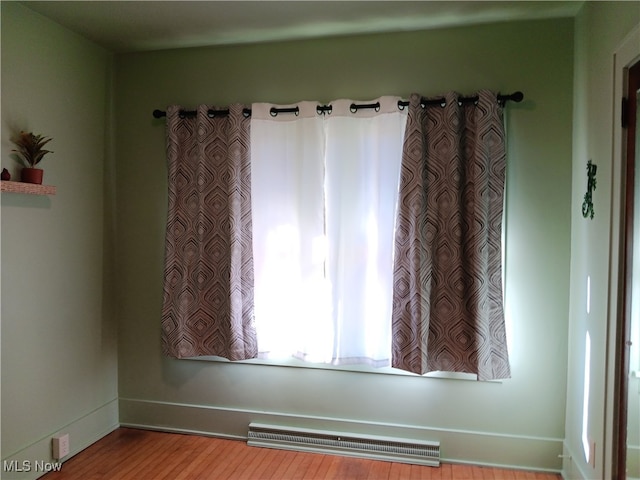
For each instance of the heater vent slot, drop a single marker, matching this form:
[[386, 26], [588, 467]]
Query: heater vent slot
[[367, 446]]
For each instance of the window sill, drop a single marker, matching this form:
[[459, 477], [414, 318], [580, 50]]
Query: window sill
[[295, 363]]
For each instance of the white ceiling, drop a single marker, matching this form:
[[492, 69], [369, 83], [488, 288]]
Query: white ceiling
[[123, 26]]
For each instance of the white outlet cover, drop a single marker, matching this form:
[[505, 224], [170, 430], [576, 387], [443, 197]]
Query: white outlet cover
[[60, 446]]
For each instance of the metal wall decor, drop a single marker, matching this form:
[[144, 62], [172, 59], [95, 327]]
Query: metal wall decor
[[587, 204]]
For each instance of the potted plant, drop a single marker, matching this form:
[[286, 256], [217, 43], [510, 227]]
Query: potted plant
[[30, 152]]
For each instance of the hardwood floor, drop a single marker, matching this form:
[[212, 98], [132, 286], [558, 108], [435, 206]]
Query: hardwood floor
[[130, 454]]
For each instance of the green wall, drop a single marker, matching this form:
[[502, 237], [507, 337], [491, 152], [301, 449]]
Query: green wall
[[600, 29], [516, 422], [61, 255], [59, 354]]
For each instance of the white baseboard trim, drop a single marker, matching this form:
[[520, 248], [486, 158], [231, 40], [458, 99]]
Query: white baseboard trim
[[457, 446], [571, 469], [35, 460]]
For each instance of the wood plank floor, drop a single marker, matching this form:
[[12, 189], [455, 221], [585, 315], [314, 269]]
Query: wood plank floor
[[131, 454]]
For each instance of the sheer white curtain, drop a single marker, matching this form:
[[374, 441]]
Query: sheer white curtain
[[324, 195], [287, 192]]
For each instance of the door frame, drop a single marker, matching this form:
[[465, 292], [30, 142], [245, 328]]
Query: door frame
[[617, 379]]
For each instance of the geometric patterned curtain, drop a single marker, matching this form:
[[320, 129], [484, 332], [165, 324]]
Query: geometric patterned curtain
[[208, 274], [448, 303]]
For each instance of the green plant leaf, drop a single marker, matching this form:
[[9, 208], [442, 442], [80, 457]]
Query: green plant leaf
[[30, 149]]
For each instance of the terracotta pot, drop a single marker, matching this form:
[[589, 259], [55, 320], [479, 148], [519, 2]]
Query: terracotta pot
[[32, 175]]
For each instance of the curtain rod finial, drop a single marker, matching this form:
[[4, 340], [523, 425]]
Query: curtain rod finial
[[517, 96]]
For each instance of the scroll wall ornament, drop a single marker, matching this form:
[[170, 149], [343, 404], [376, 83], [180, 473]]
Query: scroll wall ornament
[[587, 204]]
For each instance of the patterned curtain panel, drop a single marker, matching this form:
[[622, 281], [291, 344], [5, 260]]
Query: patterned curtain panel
[[208, 284], [448, 303]]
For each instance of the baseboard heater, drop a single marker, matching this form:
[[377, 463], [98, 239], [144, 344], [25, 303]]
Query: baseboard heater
[[339, 443]]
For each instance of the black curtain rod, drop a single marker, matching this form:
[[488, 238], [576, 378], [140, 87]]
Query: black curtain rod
[[192, 113], [502, 99]]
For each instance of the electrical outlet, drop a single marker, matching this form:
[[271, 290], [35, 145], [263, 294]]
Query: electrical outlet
[[60, 446]]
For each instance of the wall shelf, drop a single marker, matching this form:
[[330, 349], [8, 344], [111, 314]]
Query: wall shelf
[[28, 188]]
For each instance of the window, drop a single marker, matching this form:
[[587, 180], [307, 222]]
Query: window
[[351, 233], [324, 195]]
